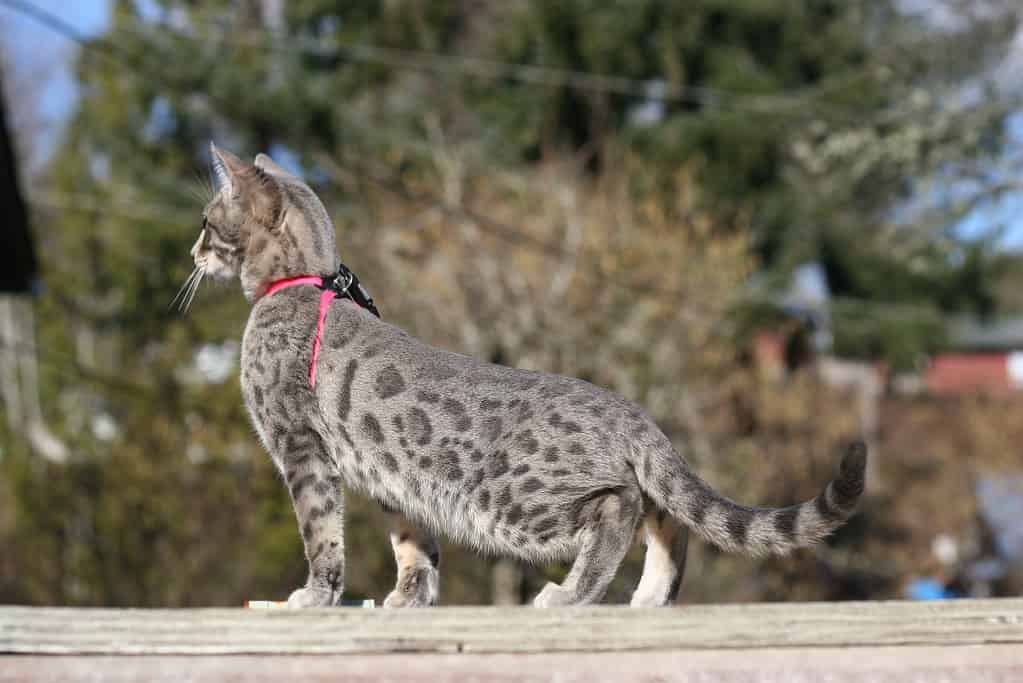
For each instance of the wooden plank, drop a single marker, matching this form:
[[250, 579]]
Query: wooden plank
[[487, 630], [910, 664]]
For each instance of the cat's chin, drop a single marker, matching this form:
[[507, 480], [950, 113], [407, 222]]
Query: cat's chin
[[223, 274]]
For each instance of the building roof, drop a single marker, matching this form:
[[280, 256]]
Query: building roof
[[967, 333]]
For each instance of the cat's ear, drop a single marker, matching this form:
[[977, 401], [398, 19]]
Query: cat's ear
[[249, 185], [268, 165], [226, 167]]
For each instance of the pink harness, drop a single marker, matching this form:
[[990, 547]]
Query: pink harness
[[343, 285]]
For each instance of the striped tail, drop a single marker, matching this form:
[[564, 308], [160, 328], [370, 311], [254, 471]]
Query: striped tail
[[668, 480]]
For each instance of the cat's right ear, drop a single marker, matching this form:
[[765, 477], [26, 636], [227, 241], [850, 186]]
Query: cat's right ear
[[226, 167], [268, 165]]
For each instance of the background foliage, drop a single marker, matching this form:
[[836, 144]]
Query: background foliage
[[583, 187]]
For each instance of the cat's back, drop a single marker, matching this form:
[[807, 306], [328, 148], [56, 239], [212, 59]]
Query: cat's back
[[393, 362], [376, 369]]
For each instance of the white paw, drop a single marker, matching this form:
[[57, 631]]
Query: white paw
[[647, 600], [313, 597], [417, 588], [553, 595]]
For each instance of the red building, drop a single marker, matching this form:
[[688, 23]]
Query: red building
[[983, 358]]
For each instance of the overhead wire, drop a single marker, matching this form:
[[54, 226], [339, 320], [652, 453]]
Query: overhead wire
[[525, 73], [647, 89]]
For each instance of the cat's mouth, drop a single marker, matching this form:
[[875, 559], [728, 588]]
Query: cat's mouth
[[186, 294], [210, 259]]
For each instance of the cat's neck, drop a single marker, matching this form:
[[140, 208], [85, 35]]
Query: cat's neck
[[295, 248], [273, 263]]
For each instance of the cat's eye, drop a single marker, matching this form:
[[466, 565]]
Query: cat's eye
[[208, 227]]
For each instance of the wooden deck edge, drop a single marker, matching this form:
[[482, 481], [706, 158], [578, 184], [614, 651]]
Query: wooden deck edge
[[896, 664], [488, 631]]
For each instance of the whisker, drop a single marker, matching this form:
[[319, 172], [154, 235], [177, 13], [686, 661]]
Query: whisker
[[203, 186], [212, 185], [184, 286], [184, 299], [195, 288], [197, 192], [208, 183], [188, 292]]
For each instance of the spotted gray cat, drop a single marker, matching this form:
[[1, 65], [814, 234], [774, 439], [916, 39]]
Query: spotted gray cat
[[508, 461]]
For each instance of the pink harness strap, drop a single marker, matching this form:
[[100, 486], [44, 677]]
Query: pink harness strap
[[326, 296]]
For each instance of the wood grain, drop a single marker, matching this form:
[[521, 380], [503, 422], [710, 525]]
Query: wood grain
[[453, 630], [908, 664]]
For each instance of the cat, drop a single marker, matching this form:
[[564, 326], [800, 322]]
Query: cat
[[508, 461]]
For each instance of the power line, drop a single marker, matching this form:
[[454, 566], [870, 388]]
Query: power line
[[407, 59], [110, 51], [58, 25], [649, 89], [554, 77], [652, 89]]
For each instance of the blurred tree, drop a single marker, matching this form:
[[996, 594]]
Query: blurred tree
[[839, 129]]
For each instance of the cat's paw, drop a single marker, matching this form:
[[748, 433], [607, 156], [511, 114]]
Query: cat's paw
[[418, 587], [553, 595], [314, 597], [648, 599]]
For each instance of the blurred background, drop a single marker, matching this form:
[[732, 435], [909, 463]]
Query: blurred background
[[777, 224]]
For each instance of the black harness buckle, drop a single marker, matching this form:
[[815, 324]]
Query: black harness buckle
[[341, 282], [345, 285]]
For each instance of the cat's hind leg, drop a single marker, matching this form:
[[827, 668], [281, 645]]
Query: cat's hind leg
[[607, 529], [418, 558], [665, 561]]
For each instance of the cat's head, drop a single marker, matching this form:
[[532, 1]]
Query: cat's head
[[263, 224]]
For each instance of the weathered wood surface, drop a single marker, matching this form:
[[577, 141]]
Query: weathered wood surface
[[968, 640], [912, 664], [501, 629]]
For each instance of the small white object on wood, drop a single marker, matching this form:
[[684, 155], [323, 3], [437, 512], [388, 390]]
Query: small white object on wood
[[282, 604]]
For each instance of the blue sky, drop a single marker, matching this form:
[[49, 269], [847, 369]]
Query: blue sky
[[30, 42]]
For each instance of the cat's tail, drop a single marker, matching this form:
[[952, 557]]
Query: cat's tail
[[673, 486]]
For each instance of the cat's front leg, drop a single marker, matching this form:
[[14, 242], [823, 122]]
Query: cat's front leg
[[418, 558], [315, 487]]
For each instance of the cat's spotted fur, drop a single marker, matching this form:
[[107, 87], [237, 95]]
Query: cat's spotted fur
[[509, 461]]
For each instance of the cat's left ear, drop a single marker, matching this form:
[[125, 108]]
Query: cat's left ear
[[249, 185]]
